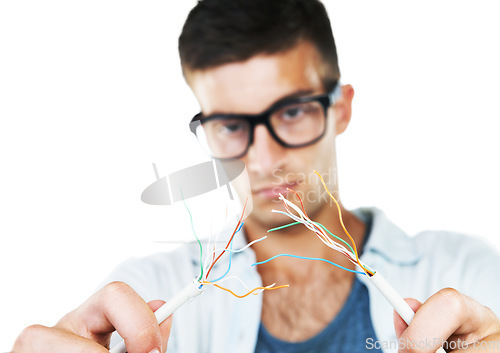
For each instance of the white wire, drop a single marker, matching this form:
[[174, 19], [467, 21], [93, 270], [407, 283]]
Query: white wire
[[304, 219], [233, 277], [239, 250], [332, 244], [211, 256], [210, 236], [206, 264], [311, 225]]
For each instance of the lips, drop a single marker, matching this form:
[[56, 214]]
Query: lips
[[272, 192]]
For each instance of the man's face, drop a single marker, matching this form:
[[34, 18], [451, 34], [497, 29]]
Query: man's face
[[252, 86]]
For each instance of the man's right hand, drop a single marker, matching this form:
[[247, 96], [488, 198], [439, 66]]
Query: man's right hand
[[88, 328]]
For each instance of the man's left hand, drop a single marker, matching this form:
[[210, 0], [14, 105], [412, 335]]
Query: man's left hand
[[451, 320]]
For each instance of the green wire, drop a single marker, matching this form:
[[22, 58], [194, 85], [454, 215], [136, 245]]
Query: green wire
[[319, 224], [285, 226], [198, 240]]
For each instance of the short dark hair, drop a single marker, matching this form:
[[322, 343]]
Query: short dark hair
[[219, 32]]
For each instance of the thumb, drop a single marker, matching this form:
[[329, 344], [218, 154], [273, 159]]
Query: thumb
[[165, 326], [399, 324]]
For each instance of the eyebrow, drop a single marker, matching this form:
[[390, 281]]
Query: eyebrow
[[290, 96]]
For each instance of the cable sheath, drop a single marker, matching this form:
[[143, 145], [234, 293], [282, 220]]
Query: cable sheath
[[397, 301], [190, 291]]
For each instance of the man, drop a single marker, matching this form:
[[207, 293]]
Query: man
[[275, 62]]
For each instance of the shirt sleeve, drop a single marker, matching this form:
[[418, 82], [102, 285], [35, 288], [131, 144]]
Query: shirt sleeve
[[480, 273]]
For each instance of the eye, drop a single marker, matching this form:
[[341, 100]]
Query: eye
[[293, 113], [232, 127]]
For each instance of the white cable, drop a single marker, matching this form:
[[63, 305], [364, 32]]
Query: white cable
[[190, 291], [397, 302]]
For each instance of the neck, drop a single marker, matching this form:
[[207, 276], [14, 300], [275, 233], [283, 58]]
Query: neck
[[298, 240]]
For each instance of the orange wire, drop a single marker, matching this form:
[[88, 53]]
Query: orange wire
[[230, 239], [300, 199], [243, 296], [343, 226]]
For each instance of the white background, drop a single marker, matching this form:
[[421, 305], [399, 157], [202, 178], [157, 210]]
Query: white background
[[91, 93]]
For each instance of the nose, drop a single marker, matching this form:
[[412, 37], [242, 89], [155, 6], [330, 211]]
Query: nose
[[265, 154]]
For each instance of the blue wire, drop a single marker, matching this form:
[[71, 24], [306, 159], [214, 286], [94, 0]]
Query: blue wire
[[230, 256], [309, 258]]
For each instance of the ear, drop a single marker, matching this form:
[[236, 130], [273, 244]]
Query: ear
[[343, 109]]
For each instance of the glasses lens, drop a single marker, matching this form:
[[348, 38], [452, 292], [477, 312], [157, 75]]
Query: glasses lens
[[226, 138], [299, 123]]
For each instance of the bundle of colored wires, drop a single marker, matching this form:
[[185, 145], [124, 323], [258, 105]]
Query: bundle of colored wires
[[338, 244], [214, 256], [332, 241]]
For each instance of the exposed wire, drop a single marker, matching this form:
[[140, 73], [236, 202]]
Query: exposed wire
[[285, 226], [342, 224], [303, 208], [320, 233], [211, 259], [242, 249], [299, 215], [317, 223], [271, 287], [197, 239], [303, 218], [230, 239], [230, 258], [309, 258], [225, 279], [231, 251], [214, 208]]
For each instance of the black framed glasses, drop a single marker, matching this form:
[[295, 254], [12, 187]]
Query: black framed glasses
[[293, 123]]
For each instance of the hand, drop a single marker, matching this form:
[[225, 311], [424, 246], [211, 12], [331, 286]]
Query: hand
[[88, 328], [449, 319]]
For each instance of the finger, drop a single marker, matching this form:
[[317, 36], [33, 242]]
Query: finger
[[41, 339], [399, 324], [447, 313], [165, 326], [116, 306]]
